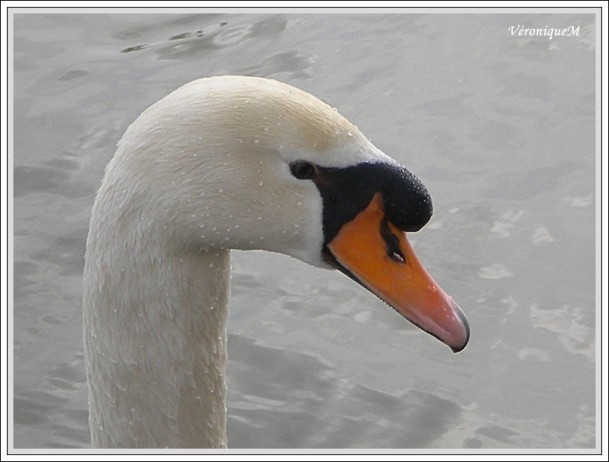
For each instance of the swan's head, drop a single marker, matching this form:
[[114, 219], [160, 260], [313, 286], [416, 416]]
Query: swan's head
[[251, 163]]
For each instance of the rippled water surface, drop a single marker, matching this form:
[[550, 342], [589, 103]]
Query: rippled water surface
[[499, 127]]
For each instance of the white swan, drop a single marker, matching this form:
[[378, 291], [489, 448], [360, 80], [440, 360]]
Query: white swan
[[242, 163]]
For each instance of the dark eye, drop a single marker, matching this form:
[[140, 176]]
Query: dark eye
[[302, 170]]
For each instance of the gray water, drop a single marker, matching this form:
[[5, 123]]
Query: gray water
[[500, 128]]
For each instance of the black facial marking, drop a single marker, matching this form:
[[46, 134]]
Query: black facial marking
[[348, 191]]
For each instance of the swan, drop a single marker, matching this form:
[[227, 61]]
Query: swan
[[231, 162]]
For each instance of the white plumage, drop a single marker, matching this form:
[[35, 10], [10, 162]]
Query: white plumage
[[204, 170]]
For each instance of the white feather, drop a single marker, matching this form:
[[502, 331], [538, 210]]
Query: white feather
[[204, 170]]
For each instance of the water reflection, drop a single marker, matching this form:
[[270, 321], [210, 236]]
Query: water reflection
[[331, 412]]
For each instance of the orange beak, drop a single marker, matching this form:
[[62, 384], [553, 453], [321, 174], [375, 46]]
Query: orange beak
[[375, 253]]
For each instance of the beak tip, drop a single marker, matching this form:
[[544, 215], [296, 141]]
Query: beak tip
[[459, 348], [465, 336]]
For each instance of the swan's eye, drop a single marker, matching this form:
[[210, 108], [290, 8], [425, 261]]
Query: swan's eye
[[302, 170]]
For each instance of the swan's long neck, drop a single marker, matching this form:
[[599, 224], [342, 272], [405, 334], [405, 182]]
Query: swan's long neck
[[155, 337], [207, 167]]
